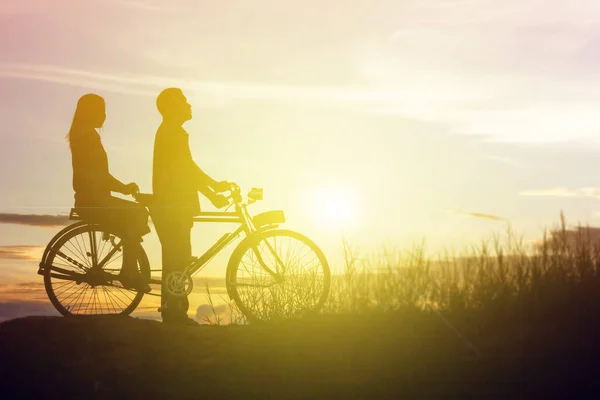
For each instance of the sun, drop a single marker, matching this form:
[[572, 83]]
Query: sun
[[335, 207]]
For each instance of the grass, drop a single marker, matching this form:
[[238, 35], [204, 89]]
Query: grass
[[503, 278]]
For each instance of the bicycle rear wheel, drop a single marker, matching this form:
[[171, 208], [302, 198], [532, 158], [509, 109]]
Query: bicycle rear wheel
[[77, 285], [278, 274]]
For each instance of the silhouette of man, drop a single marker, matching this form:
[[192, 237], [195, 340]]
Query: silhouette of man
[[176, 181]]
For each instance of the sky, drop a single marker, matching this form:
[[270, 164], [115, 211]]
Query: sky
[[388, 121]]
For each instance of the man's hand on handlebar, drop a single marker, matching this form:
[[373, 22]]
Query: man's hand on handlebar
[[222, 186]]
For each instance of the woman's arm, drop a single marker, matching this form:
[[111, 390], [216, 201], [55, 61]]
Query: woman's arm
[[116, 185], [90, 165]]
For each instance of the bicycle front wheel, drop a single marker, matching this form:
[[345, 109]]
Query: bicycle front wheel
[[278, 274]]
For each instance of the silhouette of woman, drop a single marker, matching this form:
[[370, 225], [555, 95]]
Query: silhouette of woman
[[93, 184]]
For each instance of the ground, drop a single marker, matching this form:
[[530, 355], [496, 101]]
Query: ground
[[396, 355]]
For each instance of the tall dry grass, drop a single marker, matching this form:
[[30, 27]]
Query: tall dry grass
[[504, 277]]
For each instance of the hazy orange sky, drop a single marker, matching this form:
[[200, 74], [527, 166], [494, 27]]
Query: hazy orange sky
[[412, 113]]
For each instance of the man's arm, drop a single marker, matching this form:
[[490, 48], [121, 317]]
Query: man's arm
[[204, 180], [210, 187], [207, 191], [205, 184]]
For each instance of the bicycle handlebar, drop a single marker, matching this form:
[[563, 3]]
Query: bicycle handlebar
[[235, 193], [254, 195]]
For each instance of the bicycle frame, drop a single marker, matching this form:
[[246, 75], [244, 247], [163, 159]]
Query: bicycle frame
[[225, 240], [248, 225]]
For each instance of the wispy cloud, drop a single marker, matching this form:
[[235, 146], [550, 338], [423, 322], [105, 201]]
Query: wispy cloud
[[22, 253], [151, 84], [74, 78], [454, 76], [508, 161], [480, 215], [39, 220], [563, 192]]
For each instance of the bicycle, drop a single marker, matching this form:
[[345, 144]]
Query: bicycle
[[265, 279]]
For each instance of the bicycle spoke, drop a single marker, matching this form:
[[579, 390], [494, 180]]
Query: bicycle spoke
[[80, 251], [78, 295], [83, 297], [76, 254], [90, 301], [68, 285], [73, 294], [93, 248], [101, 252], [95, 293], [105, 298]]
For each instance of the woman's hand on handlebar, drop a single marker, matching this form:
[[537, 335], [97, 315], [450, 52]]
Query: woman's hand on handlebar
[[131, 188]]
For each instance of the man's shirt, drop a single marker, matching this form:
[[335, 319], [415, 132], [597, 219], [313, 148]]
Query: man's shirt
[[176, 178]]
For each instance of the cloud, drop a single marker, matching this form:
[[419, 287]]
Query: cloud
[[88, 81], [506, 90], [39, 220], [506, 160], [480, 215], [23, 253], [150, 85], [563, 192], [24, 291]]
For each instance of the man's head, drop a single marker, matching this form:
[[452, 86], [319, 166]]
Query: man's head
[[173, 105]]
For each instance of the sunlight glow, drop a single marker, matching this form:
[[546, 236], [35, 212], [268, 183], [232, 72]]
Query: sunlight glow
[[335, 207]]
